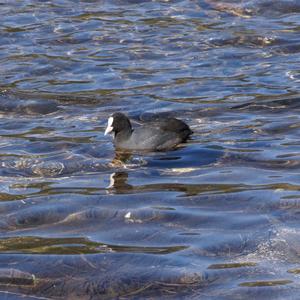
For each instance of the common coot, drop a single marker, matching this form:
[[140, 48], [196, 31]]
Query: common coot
[[153, 136]]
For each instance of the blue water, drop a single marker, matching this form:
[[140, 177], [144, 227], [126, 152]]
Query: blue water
[[216, 218]]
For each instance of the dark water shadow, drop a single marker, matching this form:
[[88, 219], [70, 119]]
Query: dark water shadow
[[11, 104], [184, 156]]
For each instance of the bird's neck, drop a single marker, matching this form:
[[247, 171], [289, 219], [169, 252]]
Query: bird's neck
[[123, 134]]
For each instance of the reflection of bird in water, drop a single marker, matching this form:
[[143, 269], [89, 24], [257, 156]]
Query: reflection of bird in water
[[160, 135], [120, 159], [125, 160], [118, 183]]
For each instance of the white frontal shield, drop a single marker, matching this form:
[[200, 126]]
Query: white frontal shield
[[109, 127]]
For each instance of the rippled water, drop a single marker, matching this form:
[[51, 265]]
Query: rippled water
[[217, 218]]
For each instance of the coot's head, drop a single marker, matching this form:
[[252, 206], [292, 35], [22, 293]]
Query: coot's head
[[116, 123]]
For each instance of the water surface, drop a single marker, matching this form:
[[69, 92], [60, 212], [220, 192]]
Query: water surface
[[216, 218]]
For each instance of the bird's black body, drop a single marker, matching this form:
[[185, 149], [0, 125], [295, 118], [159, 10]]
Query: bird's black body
[[152, 136]]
